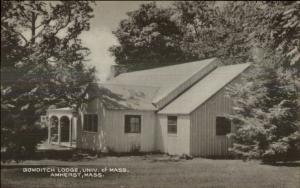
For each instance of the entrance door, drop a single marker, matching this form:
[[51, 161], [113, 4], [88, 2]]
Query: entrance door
[[65, 129]]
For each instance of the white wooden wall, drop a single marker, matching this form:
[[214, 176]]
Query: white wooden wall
[[196, 133], [170, 143], [91, 140], [120, 141], [204, 141], [111, 126]]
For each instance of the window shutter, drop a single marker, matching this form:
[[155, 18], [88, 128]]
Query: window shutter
[[223, 125]]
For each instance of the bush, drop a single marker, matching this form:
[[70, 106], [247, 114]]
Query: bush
[[21, 144]]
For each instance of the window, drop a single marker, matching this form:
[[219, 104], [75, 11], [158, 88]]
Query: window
[[132, 124], [223, 125], [90, 122], [172, 124]]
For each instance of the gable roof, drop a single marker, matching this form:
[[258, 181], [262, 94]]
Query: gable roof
[[204, 89], [176, 89], [169, 81], [125, 97]]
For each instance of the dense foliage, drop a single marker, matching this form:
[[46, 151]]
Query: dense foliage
[[267, 115], [148, 36], [42, 64], [189, 30], [211, 30], [267, 104]]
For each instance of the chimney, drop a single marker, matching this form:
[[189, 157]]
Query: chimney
[[116, 70]]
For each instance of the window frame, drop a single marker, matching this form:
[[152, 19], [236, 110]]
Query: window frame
[[223, 126], [126, 131], [172, 124], [90, 122]]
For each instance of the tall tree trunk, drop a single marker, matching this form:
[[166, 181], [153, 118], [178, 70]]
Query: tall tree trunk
[[33, 20]]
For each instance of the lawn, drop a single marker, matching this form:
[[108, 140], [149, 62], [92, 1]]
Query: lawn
[[158, 171]]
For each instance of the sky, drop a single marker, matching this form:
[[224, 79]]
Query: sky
[[107, 16]]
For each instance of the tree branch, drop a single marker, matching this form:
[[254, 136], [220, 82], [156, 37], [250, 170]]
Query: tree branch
[[37, 35], [39, 26], [18, 33], [46, 22], [23, 14], [63, 26]]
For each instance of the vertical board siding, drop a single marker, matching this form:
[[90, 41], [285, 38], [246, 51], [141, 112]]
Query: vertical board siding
[[91, 140], [111, 135], [85, 139], [196, 132], [170, 143], [119, 141], [204, 141]]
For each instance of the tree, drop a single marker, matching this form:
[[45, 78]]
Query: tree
[[148, 37], [278, 28], [267, 102], [189, 30], [266, 114], [218, 30], [198, 21], [42, 63]]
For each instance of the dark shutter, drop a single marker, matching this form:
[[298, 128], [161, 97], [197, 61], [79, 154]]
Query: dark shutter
[[223, 125]]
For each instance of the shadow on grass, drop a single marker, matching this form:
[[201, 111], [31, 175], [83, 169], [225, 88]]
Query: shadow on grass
[[284, 164], [127, 154], [54, 154], [73, 155], [16, 166], [219, 157], [63, 155]]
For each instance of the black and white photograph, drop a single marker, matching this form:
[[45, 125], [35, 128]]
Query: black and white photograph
[[150, 94]]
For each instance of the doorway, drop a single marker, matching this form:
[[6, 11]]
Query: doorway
[[65, 129]]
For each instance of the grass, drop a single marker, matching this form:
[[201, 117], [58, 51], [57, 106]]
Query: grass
[[158, 171]]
